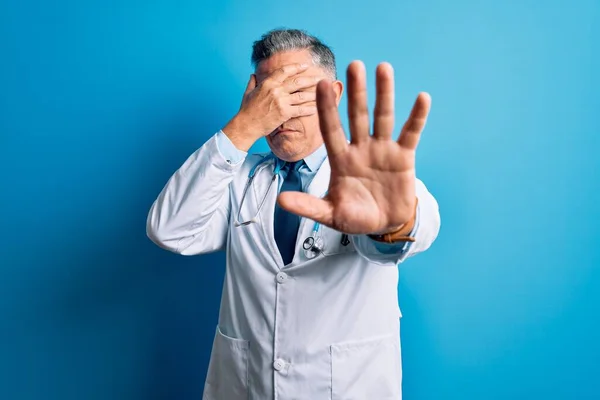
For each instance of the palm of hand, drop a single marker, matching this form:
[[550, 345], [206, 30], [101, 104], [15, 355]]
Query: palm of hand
[[371, 188], [372, 183]]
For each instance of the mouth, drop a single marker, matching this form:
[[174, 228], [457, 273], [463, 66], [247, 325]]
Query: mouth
[[281, 131]]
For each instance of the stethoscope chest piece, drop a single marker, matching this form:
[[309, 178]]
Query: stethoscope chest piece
[[313, 246]]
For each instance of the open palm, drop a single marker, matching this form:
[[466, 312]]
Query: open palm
[[372, 183]]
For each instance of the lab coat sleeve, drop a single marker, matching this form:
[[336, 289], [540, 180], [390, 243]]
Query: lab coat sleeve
[[425, 231], [191, 214]]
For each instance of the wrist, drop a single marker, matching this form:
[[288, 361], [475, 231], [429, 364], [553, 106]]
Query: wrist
[[399, 233], [403, 229], [240, 132]]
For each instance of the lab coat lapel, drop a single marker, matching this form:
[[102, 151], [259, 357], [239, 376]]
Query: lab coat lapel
[[267, 214], [317, 187]]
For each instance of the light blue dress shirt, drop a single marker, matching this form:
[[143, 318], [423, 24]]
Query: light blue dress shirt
[[312, 163]]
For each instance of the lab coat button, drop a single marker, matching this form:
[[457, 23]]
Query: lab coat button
[[278, 364], [282, 277]]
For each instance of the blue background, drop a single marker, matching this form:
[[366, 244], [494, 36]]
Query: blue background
[[100, 101]]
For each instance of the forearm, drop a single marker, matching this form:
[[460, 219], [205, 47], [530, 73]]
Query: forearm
[[239, 132]]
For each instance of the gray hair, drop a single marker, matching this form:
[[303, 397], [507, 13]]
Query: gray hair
[[279, 40]]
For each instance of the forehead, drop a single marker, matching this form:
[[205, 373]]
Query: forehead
[[278, 60]]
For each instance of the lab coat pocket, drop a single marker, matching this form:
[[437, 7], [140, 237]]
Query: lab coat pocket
[[227, 376], [366, 370], [335, 242]]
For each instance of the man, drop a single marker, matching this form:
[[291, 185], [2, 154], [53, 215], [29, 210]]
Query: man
[[313, 231]]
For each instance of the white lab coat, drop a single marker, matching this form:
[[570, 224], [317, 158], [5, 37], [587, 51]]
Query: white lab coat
[[326, 328]]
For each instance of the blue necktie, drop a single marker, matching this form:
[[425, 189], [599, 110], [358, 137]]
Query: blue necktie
[[286, 223]]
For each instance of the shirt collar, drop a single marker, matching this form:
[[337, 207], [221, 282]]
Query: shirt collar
[[314, 161]]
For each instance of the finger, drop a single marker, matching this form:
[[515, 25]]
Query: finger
[[383, 124], [301, 97], [302, 111], [358, 112], [296, 83], [411, 132], [308, 206], [329, 120], [251, 84], [281, 74]]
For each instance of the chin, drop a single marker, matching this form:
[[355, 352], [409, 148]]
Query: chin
[[285, 149], [286, 154]]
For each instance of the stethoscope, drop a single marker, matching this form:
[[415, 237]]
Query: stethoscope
[[312, 245]]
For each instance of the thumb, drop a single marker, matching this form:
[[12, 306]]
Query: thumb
[[251, 85], [308, 206]]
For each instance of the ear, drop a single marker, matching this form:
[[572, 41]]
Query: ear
[[338, 89]]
